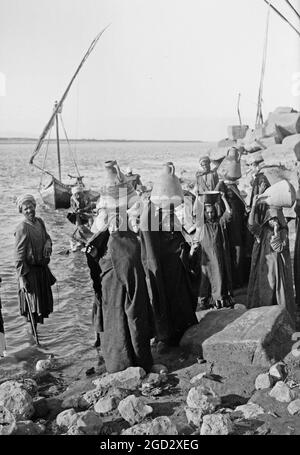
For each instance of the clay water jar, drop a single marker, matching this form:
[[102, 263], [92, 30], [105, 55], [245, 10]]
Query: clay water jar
[[167, 190]]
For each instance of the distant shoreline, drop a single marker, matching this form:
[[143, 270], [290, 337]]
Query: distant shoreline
[[20, 140]]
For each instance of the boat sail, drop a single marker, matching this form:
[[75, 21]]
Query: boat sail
[[57, 194]]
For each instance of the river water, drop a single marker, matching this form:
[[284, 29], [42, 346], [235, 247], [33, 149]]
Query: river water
[[68, 331]]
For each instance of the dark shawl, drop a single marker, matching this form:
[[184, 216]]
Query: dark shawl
[[124, 317], [215, 258], [165, 257], [271, 281]]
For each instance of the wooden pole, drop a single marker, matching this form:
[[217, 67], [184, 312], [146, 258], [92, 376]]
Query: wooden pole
[[238, 109], [58, 145]]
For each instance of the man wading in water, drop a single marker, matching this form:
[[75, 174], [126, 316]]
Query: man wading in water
[[33, 248]]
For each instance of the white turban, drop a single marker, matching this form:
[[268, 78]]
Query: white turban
[[25, 198]]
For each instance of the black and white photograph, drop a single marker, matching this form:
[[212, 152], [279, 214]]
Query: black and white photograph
[[150, 237]]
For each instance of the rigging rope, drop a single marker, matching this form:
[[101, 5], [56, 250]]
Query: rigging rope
[[283, 17], [70, 148], [45, 156], [293, 8]]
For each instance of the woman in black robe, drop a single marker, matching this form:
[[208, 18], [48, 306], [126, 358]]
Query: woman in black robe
[[121, 310], [165, 256]]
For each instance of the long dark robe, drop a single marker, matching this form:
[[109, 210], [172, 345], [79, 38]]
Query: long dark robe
[[216, 279], [165, 259], [124, 318], [30, 240], [271, 281], [297, 257]]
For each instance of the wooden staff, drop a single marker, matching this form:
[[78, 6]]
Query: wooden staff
[[34, 330]]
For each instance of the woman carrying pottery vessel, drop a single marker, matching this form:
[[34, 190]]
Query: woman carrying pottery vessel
[[213, 252], [236, 229], [121, 311], [33, 248], [165, 256], [271, 281]]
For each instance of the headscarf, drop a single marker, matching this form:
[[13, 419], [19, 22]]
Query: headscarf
[[25, 198], [275, 212], [204, 159]]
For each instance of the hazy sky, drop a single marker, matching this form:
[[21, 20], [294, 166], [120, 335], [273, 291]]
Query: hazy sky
[[165, 69]]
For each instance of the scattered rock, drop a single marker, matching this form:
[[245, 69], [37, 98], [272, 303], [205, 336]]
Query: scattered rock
[[134, 409], [216, 424], [30, 386], [27, 427], [250, 410], [89, 422], [264, 381], [281, 392], [54, 404], [7, 421], [278, 371], [74, 431], [240, 306], [67, 419], [74, 401], [16, 399], [90, 398], [294, 407], [110, 401], [161, 426], [194, 416], [198, 377], [127, 379], [152, 380], [105, 404], [43, 365], [158, 368], [40, 407], [204, 399], [263, 430]]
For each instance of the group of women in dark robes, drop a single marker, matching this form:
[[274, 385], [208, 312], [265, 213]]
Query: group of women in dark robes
[[143, 269]]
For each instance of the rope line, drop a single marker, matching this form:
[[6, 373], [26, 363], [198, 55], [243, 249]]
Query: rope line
[[70, 148]]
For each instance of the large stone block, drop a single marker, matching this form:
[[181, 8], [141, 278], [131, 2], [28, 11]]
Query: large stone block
[[210, 322], [293, 143], [285, 123], [259, 337], [278, 155]]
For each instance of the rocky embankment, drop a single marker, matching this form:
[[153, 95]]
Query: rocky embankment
[[249, 385]]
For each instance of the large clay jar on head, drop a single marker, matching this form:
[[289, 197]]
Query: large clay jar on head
[[113, 174], [116, 192], [167, 190]]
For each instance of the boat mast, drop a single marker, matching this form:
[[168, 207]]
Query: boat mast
[[60, 102], [259, 114], [57, 143]]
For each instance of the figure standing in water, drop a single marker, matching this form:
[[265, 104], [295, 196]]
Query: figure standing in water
[[33, 248]]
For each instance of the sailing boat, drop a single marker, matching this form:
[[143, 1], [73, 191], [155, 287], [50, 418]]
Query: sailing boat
[[57, 194]]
